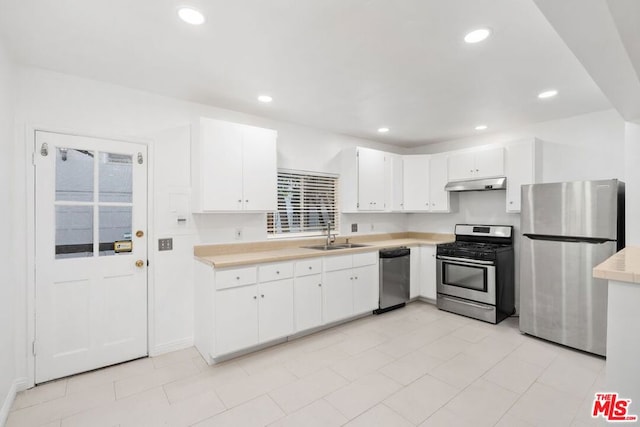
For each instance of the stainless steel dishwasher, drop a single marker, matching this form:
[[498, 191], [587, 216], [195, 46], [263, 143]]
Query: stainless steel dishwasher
[[394, 278]]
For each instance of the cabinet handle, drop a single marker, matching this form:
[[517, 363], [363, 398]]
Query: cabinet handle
[[255, 297], [310, 268], [356, 277], [277, 272], [237, 277], [477, 170], [239, 200], [246, 201], [511, 202], [319, 285], [350, 278]]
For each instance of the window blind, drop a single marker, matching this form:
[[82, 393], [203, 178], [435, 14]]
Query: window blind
[[307, 202]]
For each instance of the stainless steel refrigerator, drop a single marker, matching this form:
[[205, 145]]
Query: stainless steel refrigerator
[[567, 229]]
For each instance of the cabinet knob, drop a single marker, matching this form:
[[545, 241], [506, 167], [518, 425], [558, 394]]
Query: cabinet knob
[[319, 285], [350, 278], [239, 200], [255, 297], [511, 202], [310, 268], [356, 277], [246, 201], [477, 170], [261, 295], [237, 277], [277, 272]]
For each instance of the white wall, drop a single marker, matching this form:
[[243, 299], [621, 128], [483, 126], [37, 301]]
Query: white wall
[[66, 103], [7, 277], [632, 173]]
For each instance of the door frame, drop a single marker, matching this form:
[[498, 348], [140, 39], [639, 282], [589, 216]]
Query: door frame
[[29, 139]]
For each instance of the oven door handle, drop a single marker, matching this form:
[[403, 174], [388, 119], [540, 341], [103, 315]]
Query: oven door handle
[[483, 307], [465, 260]]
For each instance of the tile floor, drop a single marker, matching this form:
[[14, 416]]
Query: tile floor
[[410, 367]]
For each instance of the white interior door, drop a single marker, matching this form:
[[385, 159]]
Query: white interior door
[[91, 254]]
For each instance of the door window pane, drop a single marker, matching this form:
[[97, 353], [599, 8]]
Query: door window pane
[[115, 227], [74, 231], [115, 177], [74, 175]]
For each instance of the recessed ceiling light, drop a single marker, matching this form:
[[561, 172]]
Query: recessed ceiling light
[[548, 94], [265, 98], [383, 130], [478, 35], [481, 127], [191, 15]]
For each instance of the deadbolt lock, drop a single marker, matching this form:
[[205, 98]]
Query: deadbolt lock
[[139, 233]]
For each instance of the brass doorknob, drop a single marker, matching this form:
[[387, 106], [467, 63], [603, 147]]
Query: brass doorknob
[[139, 263]]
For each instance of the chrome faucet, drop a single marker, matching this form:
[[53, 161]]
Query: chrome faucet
[[331, 238]]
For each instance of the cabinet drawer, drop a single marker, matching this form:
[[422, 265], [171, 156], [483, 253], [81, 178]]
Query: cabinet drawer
[[369, 258], [308, 266], [270, 272], [235, 277], [342, 262]]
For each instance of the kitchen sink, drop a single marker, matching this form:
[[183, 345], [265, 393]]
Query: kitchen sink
[[336, 246]]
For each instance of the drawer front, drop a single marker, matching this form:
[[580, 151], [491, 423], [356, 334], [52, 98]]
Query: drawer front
[[269, 272], [368, 258], [341, 262], [308, 266], [236, 277]]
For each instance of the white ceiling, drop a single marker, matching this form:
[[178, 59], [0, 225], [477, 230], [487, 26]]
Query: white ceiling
[[345, 66]]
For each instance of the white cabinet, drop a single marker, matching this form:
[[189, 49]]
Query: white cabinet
[[414, 272], [394, 182], [523, 164], [424, 180], [476, 164], [236, 314], [338, 295], [416, 183], [438, 177], [428, 272], [371, 179], [234, 167], [350, 285], [275, 309], [308, 302]]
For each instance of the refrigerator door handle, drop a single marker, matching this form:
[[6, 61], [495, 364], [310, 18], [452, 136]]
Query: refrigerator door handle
[[570, 239]]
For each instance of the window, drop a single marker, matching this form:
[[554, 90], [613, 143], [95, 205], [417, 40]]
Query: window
[[307, 202]]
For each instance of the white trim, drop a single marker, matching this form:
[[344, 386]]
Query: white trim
[[171, 346], [17, 385], [28, 141]]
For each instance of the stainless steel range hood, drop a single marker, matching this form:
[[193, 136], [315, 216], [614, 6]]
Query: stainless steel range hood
[[484, 184]]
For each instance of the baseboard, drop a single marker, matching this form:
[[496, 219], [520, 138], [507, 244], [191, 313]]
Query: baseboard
[[18, 384], [171, 346]]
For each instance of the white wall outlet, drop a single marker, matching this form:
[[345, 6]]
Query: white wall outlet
[[238, 234]]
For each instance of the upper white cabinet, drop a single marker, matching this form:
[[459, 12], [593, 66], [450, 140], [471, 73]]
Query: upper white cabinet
[[394, 182], [438, 173], [234, 167], [424, 180], [484, 163], [523, 167], [363, 180], [416, 183]]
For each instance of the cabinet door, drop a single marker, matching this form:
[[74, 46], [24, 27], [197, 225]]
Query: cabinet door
[[414, 272], [428, 272], [338, 295], [438, 177], [520, 168], [461, 166], [275, 309], [308, 302], [236, 319], [259, 169], [416, 183], [489, 163], [395, 179], [366, 292], [370, 180], [220, 165]]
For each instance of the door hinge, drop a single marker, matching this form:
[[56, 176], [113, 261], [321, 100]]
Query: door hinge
[[33, 348], [147, 263], [44, 149], [140, 158], [33, 159]]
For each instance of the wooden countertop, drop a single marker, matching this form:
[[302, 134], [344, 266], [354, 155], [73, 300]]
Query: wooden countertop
[[624, 266], [238, 254]]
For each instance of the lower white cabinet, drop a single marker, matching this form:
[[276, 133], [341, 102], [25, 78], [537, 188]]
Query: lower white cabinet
[[365, 289], [236, 318], [338, 295], [275, 309], [414, 273], [428, 272], [308, 302]]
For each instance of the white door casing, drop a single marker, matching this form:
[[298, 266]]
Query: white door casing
[[90, 300]]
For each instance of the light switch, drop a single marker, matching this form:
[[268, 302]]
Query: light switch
[[165, 244]]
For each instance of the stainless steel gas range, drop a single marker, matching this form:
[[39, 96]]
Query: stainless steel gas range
[[475, 274]]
